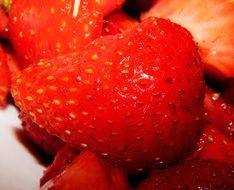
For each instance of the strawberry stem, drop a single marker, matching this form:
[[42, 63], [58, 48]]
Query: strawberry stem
[[6, 4]]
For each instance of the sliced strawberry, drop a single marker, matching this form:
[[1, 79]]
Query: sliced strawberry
[[212, 25], [42, 29], [218, 113], [63, 158], [215, 146], [48, 143], [4, 79], [135, 98], [116, 22], [88, 172], [192, 175]]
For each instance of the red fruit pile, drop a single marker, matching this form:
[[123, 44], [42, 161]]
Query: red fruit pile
[[112, 93]]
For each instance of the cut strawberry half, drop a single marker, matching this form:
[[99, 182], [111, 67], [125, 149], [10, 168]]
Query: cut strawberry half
[[87, 172], [212, 25]]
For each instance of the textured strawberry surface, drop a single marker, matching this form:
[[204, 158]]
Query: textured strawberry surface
[[135, 98], [195, 174], [41, 29], [213, 145], [48, 143], [218, 113]]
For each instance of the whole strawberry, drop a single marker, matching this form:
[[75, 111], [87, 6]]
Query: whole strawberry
[[135, 98], [42, 29]]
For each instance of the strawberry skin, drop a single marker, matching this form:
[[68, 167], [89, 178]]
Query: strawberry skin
[[42, 29], [213, 145], [212, 25], [135, 98], [48, 143], [4, 79], [116, 22], [88, 172], [192, 175], [218, 113]]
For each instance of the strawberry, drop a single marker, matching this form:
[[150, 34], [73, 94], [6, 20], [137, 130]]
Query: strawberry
[[42, 29], [116, 22], [215, 146], [63, 158], [135, 98], [88, 172], [195, 174], [212, 26], [4, 79], [48, 143], [218, 113]]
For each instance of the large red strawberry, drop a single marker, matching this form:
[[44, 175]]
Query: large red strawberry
[[212, 25], [88, 172], [192, 175], [48, 143], [116, 22], [213, 145], [135, 98], [218, 113], [4, 79], [41, 29]]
